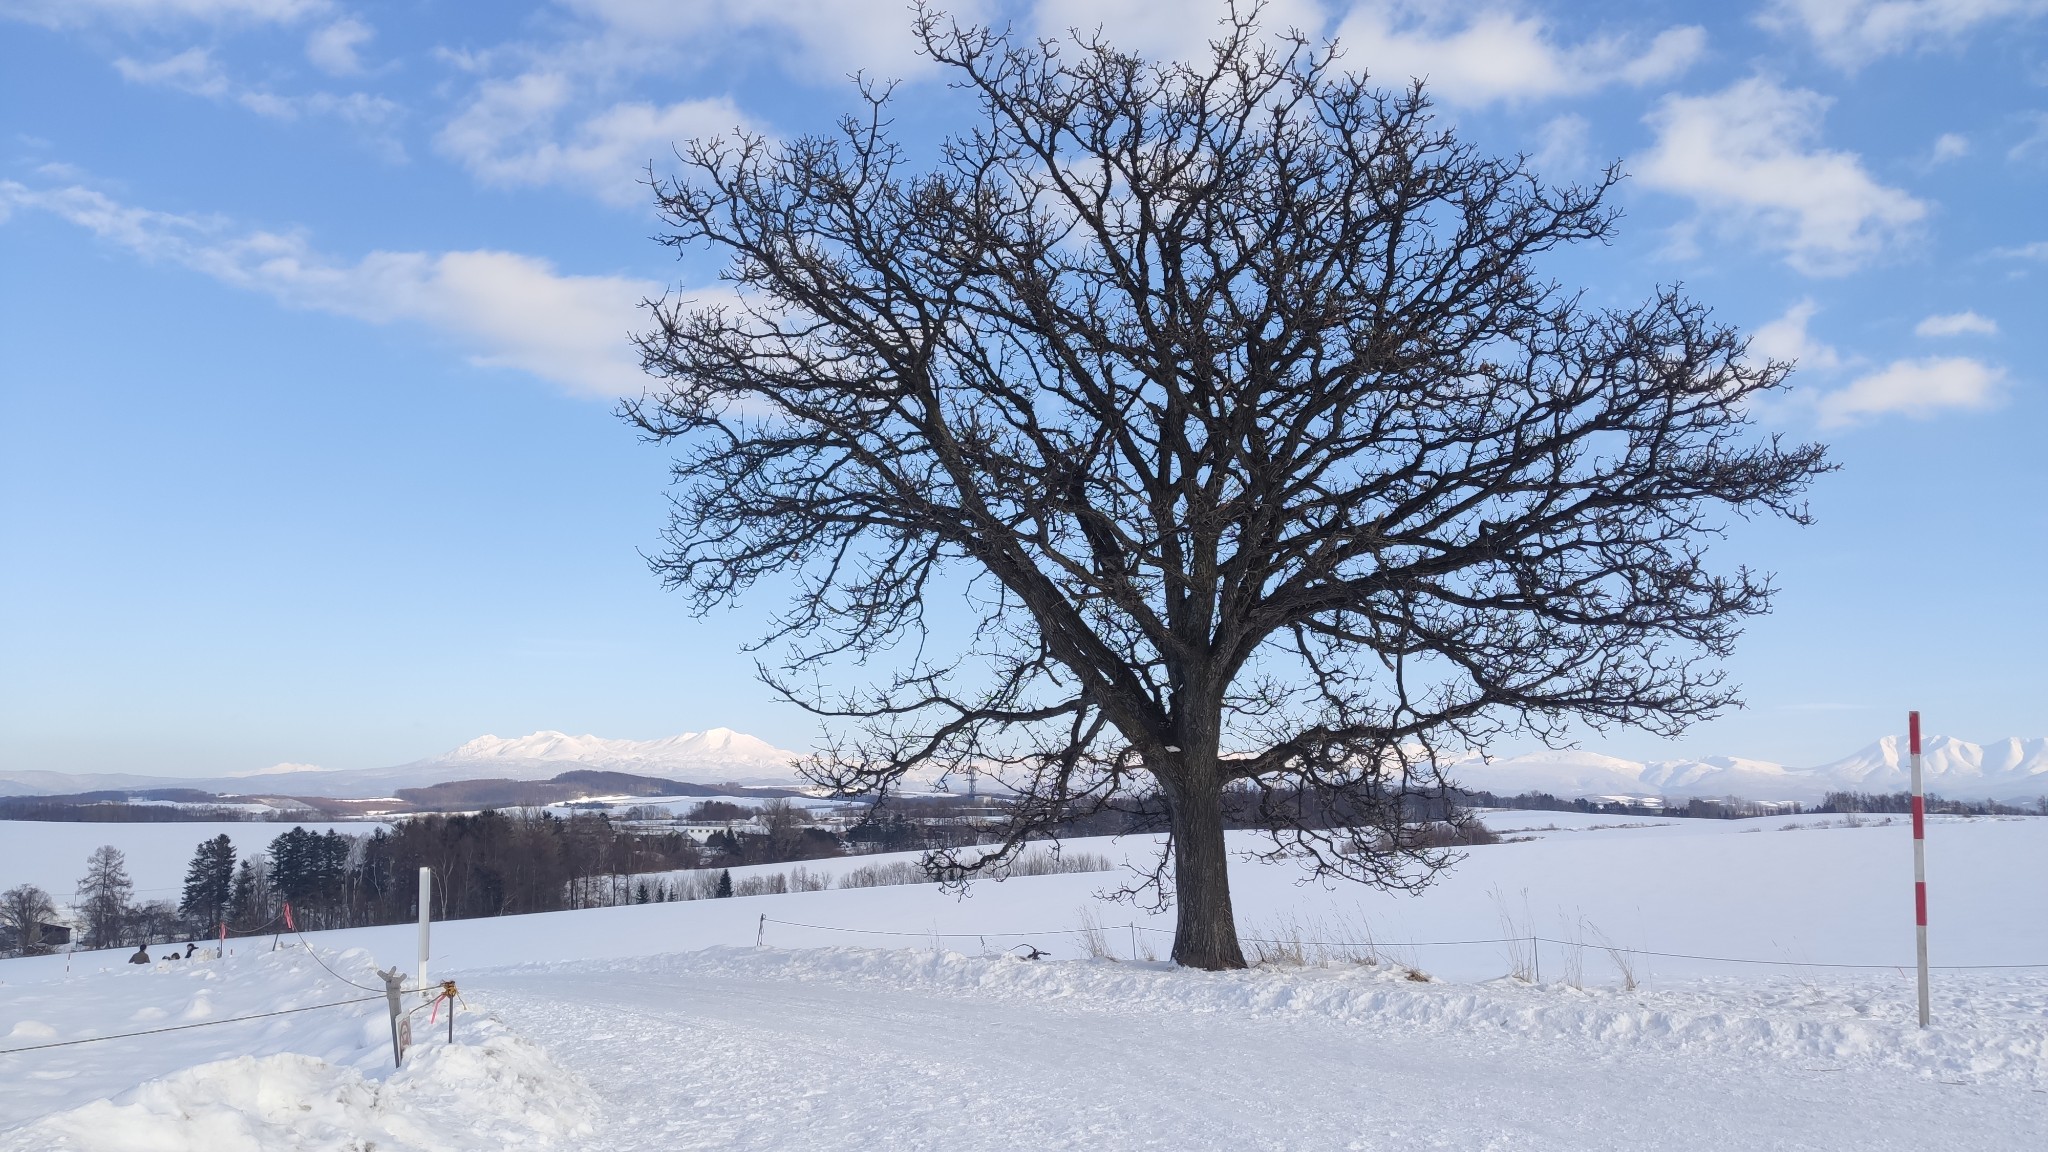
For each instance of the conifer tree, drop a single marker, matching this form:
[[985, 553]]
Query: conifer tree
[[210, 882]]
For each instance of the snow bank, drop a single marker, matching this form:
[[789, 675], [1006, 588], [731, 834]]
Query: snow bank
[[499, 1093], [316, 1079]]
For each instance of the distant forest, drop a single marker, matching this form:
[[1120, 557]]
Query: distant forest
[[492, 863], [123, 808], [505, 862], [171, 805]]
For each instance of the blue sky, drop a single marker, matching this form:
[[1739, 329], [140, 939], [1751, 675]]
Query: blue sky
[[313, 314]]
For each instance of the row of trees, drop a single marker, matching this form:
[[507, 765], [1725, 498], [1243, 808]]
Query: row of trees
[[108, 915], [493, 863]]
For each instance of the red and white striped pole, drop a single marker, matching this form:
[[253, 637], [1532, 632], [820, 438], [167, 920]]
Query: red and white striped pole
[[1919, 859]]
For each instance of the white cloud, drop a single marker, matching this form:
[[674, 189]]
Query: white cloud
[[556, 121], [195, 72], [2034, 141], [812, 37], [1165, 29], [1747, 156], [507, 309], [507, 136], [1499, 54], [332, 49], [1566, 146], [1787, 339], [1851, 33], [1950, 146], [1956, 324], [55, 13], [1916, 388], [2038, 250]]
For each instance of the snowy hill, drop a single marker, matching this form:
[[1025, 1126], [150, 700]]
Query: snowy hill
[[714, 756]]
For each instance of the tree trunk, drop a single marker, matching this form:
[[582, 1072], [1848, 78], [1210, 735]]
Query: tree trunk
[[1206, 935]]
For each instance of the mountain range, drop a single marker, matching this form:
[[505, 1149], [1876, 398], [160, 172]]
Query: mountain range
[[714, 756], [2008, 770]]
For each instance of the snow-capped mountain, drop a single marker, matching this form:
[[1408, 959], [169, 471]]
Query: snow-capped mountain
[[714, 756], [2013, 770], [720, 748], [2010, 770]]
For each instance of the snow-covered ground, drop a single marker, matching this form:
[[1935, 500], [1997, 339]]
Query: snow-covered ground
[[662, 1026]]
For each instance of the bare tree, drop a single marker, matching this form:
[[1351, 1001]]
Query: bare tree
[[25, 908], [783, 823], [1230, 406], [103, 897], [156, 922]]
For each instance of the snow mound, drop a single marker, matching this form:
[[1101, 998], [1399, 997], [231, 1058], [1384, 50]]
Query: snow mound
[[500, 1093]]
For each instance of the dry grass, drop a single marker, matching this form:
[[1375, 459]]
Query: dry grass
[[884, 875], [1298, 943], [1094, 941], [1518, 935], [1053, 862], [1624, 962]]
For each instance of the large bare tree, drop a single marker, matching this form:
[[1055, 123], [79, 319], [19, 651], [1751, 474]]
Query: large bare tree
[[1193, 433]]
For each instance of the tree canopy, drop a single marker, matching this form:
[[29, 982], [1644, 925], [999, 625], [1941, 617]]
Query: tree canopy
[[1229, 403]]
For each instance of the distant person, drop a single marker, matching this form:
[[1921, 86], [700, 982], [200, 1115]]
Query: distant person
[[141, 955], [191, 948]]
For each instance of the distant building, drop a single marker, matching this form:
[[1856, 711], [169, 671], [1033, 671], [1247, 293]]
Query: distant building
[[53, 936]]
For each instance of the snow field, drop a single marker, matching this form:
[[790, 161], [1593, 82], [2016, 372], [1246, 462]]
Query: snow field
[[858, 1049], [660, 1026]]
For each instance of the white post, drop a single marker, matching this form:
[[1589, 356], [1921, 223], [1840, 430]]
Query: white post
[[426, 903], [1919, 859]]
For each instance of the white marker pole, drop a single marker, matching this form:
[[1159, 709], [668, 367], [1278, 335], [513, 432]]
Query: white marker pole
[[1919, 858], [426, 902]]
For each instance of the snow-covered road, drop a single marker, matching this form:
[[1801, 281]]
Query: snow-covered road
[[727, 1051]]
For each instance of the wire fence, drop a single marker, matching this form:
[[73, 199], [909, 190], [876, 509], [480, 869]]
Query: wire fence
[[380, 994], [184, 1027]]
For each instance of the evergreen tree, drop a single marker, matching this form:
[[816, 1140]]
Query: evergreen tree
[[210, 883], [725, 883], [248, 905], [309, 871]]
